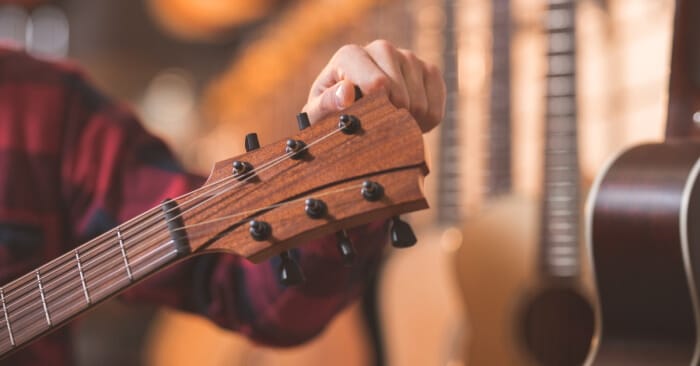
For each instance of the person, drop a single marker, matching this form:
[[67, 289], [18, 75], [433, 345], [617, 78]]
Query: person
[[75, 164]]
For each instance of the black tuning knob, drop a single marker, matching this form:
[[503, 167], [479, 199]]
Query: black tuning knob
[[402, 235], [251, 142], [358, 93], [290, 273], [303, 121], [346, 249]]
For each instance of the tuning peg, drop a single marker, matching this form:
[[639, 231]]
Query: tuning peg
[[295, 147], [358, 93], [346, 249], [303, 120], [402, 235], [251, 142], [290, 273]]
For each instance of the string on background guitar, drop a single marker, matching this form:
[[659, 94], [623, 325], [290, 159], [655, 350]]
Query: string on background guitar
[[643, 235], [533, 311], [364, 164]]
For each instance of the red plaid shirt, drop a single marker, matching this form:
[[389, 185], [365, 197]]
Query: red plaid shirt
[[74, 164]]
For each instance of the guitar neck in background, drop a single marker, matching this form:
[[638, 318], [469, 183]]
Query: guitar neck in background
[[449, 208], [559, 257], [499, 178]]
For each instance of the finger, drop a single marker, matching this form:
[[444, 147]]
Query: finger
[[389, 61], [352, 63], [337, 97], [412, 70], [435, 92]]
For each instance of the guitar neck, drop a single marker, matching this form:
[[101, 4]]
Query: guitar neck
[[449, 182], [560, 207], [58, 291], [499, 150]]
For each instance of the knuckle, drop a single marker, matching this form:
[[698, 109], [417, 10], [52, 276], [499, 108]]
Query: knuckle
[[411, 57], [348, 49], [381, 45]]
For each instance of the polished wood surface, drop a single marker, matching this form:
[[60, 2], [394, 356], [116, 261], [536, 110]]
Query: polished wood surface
[[387, 147], [643, 241]]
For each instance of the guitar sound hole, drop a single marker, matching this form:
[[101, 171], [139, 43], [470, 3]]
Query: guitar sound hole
[[558, 325]]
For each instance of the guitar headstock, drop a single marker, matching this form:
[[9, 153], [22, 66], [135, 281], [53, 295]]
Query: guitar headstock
[[360, 165]]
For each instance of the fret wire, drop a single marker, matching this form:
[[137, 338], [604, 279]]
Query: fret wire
[[82, 278], [7, 318], [43, 299], [103, 277], [560, 125], [126, 260], [149, 266], [64, 286]]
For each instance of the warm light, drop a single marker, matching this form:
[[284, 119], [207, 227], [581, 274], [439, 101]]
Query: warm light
[[168, 104], [202, 19], [451, 240]]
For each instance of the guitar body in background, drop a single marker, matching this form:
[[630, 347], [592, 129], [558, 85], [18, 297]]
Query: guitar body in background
[[494, 266], [643, 232], [520, 267]]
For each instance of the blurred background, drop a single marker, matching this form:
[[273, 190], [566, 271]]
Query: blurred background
[[202, 74]]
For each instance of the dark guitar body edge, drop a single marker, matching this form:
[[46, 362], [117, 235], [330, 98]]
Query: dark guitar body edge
[[644, 254]]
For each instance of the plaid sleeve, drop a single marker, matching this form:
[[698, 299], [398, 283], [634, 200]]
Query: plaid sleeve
[[112, 169]]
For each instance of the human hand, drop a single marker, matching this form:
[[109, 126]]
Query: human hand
[[409, 82]]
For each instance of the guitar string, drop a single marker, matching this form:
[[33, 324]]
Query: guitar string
[[134, 223], [108, 237], [23, 320], [31, 283], [116, 268], [117, 260]]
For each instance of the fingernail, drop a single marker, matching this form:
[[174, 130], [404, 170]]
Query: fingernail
[[340, 96]]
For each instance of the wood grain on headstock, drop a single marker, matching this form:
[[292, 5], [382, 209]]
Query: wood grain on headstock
[[387, 149]]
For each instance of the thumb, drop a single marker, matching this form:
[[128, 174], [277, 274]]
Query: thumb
[[337, 97]]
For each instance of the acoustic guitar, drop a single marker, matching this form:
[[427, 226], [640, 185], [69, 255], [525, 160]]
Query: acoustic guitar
[[520, 266], [642, 217], [361, 165]]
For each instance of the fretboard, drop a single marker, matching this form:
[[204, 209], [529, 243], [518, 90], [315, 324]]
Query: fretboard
[[560, 211], [499, 136], [70, 284], [449, 179]]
